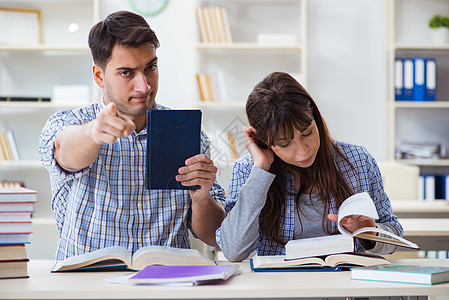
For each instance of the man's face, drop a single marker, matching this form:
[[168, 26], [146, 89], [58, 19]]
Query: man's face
[[130, 79]]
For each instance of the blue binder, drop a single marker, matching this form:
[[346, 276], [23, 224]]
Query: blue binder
[[407, 93], [399, 79], [431, 79], [419, 79]]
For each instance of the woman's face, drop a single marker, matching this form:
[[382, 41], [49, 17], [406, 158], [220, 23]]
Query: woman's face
[[300, 151]]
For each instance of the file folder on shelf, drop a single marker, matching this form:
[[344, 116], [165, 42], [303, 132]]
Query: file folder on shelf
[[431, 79], [408, 80], [419, 84]]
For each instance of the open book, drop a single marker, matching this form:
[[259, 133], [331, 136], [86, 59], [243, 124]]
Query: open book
[[358, 204], [120, 258], [261, 263]]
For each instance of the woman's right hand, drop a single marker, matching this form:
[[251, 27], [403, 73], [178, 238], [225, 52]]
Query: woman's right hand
[[263, 158]]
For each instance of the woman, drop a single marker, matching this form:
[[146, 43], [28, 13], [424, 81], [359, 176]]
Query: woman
[[295, 177]]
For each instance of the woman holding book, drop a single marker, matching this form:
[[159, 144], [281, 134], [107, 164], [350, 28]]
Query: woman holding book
[[295, 177]]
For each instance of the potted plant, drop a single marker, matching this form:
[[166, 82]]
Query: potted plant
[[439, 26]]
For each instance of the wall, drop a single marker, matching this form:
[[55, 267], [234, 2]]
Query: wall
[[346, 68]]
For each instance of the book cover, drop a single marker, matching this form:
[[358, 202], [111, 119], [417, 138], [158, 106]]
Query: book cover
[[403, 273], [180, 274], [173, 136]]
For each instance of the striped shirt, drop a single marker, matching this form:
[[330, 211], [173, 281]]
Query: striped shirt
[[106, 204], [365, 177]]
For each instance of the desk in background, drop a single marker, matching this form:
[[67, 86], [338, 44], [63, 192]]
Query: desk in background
[[420, 209], [428, 233], [91, 285]]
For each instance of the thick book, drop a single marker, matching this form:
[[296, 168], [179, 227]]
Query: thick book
[[358, 204], [16, 206], [14, 269], [13, 239], [12, 252], [120, 258], [173, 137], [17, 194], [193, 275], [327, 263], [403, 273], [15, 227]]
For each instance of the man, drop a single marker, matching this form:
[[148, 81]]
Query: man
[[96, 156]]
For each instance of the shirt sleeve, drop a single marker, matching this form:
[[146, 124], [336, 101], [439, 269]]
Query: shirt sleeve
[[54, 126], [387, 220], [239, 232]]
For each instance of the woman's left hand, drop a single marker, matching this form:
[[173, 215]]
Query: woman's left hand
[[354, 222]]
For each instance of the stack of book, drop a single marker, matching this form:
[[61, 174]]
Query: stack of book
[[8, 147], [211, 86], [16, 206], [214, 25]]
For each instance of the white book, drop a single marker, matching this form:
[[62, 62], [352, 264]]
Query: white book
[[357, 204]]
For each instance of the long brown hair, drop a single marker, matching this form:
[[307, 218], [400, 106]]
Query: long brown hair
[[276, 107]]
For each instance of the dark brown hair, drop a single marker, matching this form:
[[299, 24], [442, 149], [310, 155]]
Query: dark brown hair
[[119, 28], [276, 107]]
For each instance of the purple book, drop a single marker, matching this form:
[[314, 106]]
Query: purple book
[[181, 274]]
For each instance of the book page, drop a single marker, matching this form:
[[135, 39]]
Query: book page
[[358, 204], [390, 239], [161, 255], [356, 258], [83, 260], [278, 261], [362, 204]]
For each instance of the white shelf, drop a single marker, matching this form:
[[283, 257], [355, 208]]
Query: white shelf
[[400, 46], [426, 162], [45, 48], [218, 105], [248, 46], [35, 105], [424, 104], [21, 164]]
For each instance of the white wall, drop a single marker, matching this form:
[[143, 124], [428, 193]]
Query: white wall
[[347, 69], [346, 57]]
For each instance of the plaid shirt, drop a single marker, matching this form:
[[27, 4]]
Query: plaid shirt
[[366, 177], [106, 203]]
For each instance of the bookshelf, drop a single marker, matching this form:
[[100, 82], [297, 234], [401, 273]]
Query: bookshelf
[[265, 36], [408, 36], [62, 58]]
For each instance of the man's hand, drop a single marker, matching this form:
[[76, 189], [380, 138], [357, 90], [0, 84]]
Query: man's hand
[[199, 170], [111, 125]]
